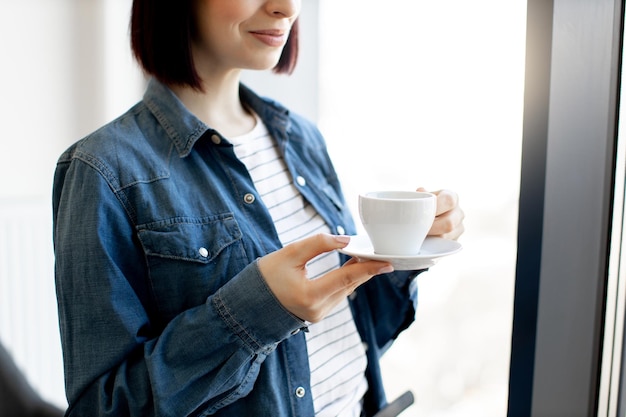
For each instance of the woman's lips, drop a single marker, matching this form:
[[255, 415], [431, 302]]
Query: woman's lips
[[270, 37]]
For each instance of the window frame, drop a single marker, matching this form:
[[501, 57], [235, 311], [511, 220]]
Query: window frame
[[566, 202]]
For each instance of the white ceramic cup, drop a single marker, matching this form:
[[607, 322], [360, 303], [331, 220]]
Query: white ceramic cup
[[397, 222]]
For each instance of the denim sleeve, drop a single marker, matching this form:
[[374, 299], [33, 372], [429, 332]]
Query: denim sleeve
[[384, 306], [117, 362], [392, 302]]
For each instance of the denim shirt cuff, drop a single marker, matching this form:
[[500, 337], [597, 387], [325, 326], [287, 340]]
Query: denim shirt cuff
[[252, 312]]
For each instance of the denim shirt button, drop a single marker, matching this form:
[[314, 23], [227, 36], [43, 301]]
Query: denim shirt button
[[295, 332], [215, 138], [300, 392], [203, 252], [341, 230], [249, 198], [301, 181]]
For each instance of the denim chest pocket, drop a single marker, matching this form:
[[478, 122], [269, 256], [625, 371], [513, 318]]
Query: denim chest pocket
[[188, 259]]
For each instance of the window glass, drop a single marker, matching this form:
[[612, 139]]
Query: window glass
[[429, 93]]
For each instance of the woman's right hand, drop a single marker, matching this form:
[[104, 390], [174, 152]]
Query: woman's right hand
[[311, 300]]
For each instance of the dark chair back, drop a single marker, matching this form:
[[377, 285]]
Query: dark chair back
[[17, 397]]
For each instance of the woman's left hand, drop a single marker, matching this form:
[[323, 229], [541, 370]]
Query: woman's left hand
[[449, 217]]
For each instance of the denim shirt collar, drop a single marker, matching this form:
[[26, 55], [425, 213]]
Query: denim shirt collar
[[184, 128]]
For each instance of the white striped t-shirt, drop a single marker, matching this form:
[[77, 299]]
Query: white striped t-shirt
[[336, 355]]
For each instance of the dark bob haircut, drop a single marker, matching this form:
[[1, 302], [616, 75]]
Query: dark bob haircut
[[161, 33]]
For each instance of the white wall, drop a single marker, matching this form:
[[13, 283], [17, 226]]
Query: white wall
[[37, 71], [66, 69]]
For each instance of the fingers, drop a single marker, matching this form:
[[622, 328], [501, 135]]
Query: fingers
[[449, 216], [285, 273], [448, 225], [304, 250], [350, 276], [446, 200], [329, 289], [454, 234]]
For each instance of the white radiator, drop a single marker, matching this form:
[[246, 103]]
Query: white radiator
[[28, 310]]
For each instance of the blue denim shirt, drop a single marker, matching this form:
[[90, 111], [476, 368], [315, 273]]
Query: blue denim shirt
[[163, 311]]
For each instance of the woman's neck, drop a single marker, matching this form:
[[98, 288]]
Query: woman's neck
[[219, 105]]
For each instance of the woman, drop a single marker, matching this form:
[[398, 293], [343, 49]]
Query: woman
[[196, 236]]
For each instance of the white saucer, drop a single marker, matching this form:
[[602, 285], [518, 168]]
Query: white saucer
[[432, 249]]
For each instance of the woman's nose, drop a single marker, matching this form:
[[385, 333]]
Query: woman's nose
[[285, 8]]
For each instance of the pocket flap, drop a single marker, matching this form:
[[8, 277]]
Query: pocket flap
[[191, 239]]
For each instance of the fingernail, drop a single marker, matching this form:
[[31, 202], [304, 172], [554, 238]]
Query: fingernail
[[342, 238], [385, 269]]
